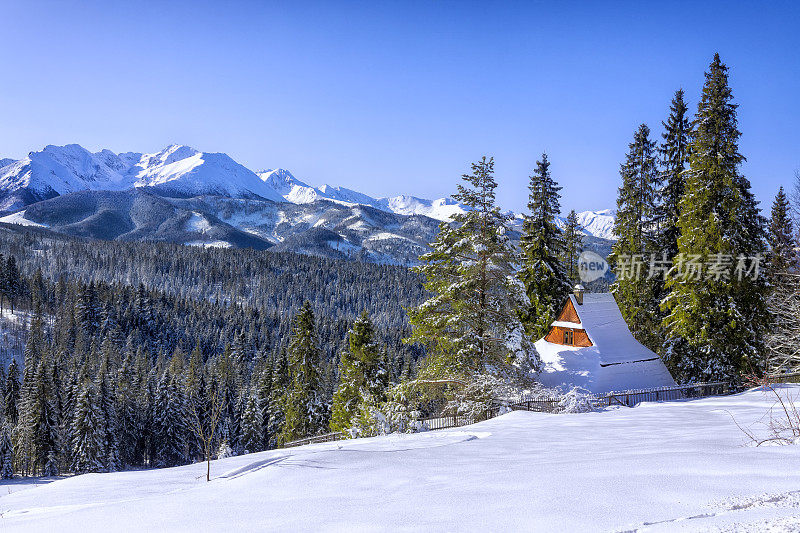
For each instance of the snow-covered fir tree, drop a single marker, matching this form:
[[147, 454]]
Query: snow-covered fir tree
[[277, 397], [543, 271], [170, 420], [6, 452], [363, 374], [673, 159], [305, 407], [716, 322], [252, 424], [471, 321], [635, 226], [782, 255], [783, 337], [88, 431], [573, 246], [12, 390]]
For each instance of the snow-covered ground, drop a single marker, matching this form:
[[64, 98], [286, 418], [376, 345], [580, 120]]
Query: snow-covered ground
[[658, 467]]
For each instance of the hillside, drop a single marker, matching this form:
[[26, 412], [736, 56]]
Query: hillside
[[679, 466], [321, 227]]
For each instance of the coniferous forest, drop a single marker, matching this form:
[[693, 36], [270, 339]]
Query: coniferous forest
[[152, 355]]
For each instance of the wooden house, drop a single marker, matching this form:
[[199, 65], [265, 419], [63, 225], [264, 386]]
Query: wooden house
[[590, 346]]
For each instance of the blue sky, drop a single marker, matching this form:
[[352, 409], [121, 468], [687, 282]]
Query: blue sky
[[398, 97]]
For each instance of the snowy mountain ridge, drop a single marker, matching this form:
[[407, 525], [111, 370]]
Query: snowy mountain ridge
[[182, 171]]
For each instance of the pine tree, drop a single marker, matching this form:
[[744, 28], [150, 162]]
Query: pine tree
[[31, 435], [106, 397], [13, 387], [573, 246], [635, 292], [782, 256], [674, 158], [716, 323], [277, 398], [170, 422], [38, 420], [252, 424], [543, 272], [228, 382], [6, 453], [88, 430], [264, 395], [305, 407], [363, 374], [127, 416], [470, 323], [12, 282]]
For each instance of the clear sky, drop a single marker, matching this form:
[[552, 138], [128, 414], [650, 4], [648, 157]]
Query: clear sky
[[397, 97]]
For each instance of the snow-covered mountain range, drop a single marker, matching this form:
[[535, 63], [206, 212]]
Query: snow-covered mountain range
[[237, 203], [298, 192]]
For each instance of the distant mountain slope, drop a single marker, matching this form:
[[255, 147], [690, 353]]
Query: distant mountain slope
[[178, 170], [296, 191], [246, 209], [135, 215], [323, 228]]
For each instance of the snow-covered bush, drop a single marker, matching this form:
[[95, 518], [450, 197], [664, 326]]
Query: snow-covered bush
[[224, 450], [399, 413], [577, 400]]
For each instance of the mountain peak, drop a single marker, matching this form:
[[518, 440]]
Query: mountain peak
[[173, 153]]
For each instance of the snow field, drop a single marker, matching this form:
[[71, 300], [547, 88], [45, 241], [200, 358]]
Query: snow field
[[676, 466]]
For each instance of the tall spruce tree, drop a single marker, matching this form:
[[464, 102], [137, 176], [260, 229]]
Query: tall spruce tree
[[277, 398], [782, 256], [363, 376], [674, 159], [634, 289], [305, 405], [716, 322], [573, 246], [170, 421], [89, 431], [543, 272], [6, 452], [252, 424], [12, 391], [470, 323]]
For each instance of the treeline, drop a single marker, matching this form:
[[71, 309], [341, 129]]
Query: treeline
[[117, 377], [274, 283]]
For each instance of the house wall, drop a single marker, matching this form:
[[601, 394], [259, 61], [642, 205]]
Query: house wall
[[579, 336]]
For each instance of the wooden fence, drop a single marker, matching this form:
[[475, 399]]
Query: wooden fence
[[789, 377], [327, 437], [679, 392], [444, 422], [540, 404]]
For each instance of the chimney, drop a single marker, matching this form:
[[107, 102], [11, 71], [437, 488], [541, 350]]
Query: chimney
[[578, 291]]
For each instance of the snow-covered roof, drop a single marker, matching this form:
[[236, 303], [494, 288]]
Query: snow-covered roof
[[562, 324], [616, 361]]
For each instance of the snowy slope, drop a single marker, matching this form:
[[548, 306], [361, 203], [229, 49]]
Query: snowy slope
[[184, 170], [298, 192], [598, 223], [678, 466], [323, 228], [58, 170], [595, 223]]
